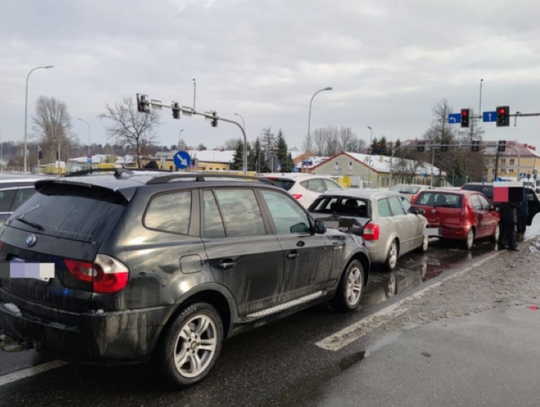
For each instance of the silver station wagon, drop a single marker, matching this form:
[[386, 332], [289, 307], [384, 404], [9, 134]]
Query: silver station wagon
[[388, 223]]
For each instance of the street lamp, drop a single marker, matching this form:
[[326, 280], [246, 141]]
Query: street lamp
[[370, 151], [194, 93], [26, 114], [309, 118], [88, 124], [179, 138]]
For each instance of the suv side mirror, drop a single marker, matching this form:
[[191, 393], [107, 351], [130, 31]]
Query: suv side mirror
[[319, 227], [420, 211]]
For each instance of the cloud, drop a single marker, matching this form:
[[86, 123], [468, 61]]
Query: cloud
[[387, 62]]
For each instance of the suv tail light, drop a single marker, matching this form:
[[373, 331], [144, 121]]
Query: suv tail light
[[371, 232], [297, 196], [413, 198], [106, 274]]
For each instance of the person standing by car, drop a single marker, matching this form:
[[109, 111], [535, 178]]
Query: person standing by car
[[507, 239], [522, 215]]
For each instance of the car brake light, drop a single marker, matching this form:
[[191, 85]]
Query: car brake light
[[106, 274], [371, 232], [297, 196]]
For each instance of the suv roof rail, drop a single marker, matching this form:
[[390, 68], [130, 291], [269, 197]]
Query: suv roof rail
[[118, 172], [163, 179]]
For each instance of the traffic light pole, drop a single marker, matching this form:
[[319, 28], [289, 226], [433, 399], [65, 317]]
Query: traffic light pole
[[433, 146], [188, 111]]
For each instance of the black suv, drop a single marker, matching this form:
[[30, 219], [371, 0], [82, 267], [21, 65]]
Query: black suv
[[486, 188], [162, 268]]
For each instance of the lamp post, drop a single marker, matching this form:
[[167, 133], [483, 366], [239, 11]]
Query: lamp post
[[244, 153], [370, 148], [26, 115], [309, 118], [194, 93], [89, 134], [480, 101], [179, 138]]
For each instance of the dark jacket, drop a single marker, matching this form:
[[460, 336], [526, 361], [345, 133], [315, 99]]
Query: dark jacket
[[523, 211], [508, 211]]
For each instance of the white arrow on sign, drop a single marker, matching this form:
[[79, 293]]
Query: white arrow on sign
[[452, 119], [182, 160]]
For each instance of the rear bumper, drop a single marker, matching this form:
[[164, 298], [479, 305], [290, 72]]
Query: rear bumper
[[457, 232], [104, 338]]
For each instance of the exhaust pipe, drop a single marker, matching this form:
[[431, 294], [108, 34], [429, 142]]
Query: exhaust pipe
[[9, 344]]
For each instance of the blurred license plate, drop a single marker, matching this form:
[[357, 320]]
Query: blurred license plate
[[333, 224], [38, 271], [432, 231]]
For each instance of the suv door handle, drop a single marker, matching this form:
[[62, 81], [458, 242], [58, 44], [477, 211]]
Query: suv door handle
[[292, 255], [227, 264]]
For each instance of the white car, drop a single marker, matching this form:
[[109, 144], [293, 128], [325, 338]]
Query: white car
[[303, 187]]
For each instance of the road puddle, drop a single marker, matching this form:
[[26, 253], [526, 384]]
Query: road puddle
[[414, 269]]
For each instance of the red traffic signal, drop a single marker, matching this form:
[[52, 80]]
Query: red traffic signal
[[503, 116], [465, 117]]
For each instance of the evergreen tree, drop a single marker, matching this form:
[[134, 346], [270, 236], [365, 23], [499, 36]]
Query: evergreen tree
[[258, 158], [283, 155], [238, 157]]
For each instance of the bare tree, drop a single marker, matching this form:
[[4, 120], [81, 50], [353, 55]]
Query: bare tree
[[231, 143], [131, 127], [406, 166], [52, 122], [268, 142], [347, 139]]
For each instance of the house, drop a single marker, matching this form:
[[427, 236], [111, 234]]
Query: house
[[506, 163], [202, 160], [363, 169]]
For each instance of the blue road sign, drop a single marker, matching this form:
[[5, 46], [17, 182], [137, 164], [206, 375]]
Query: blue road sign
[[422, 174], [454, 118], [182, 160], [89, 160], [489, 116]]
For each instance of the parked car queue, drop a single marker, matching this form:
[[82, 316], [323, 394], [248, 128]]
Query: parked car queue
[[184, 261]]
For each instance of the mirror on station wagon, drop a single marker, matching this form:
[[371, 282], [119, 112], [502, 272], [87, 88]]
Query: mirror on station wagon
[[319, 227], [300, 228]]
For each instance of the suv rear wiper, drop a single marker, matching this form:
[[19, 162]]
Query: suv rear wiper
[[33, 224]]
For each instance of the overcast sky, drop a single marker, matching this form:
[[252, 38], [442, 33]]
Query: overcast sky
[[388, 62]]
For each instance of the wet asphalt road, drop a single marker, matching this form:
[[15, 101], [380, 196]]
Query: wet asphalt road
[[276, 365]]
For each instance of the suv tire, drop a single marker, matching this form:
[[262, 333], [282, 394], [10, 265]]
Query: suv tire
[[190, 346], [351, 287]]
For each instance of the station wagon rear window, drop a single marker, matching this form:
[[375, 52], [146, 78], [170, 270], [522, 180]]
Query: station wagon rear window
[[342, 205]]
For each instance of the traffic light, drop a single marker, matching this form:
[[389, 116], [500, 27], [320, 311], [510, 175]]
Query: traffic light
[[213, 117], [465, 113], [40, 155], [501, 147], [175, 110], [143, 104], [503, 116], [475, 145], [444, 146], [421, 147]]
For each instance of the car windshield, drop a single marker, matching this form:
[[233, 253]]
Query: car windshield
[[440, 199], [284, 183], [406, 189], [342, 206]]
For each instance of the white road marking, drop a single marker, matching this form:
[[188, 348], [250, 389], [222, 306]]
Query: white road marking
[[353, 332], [31, 371]]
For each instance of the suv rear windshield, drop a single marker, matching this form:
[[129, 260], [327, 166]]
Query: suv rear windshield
[[284, 183], [440, 199], [71, 212], [487, 190]]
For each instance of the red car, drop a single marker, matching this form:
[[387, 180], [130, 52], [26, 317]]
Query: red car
[[461, 215]]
